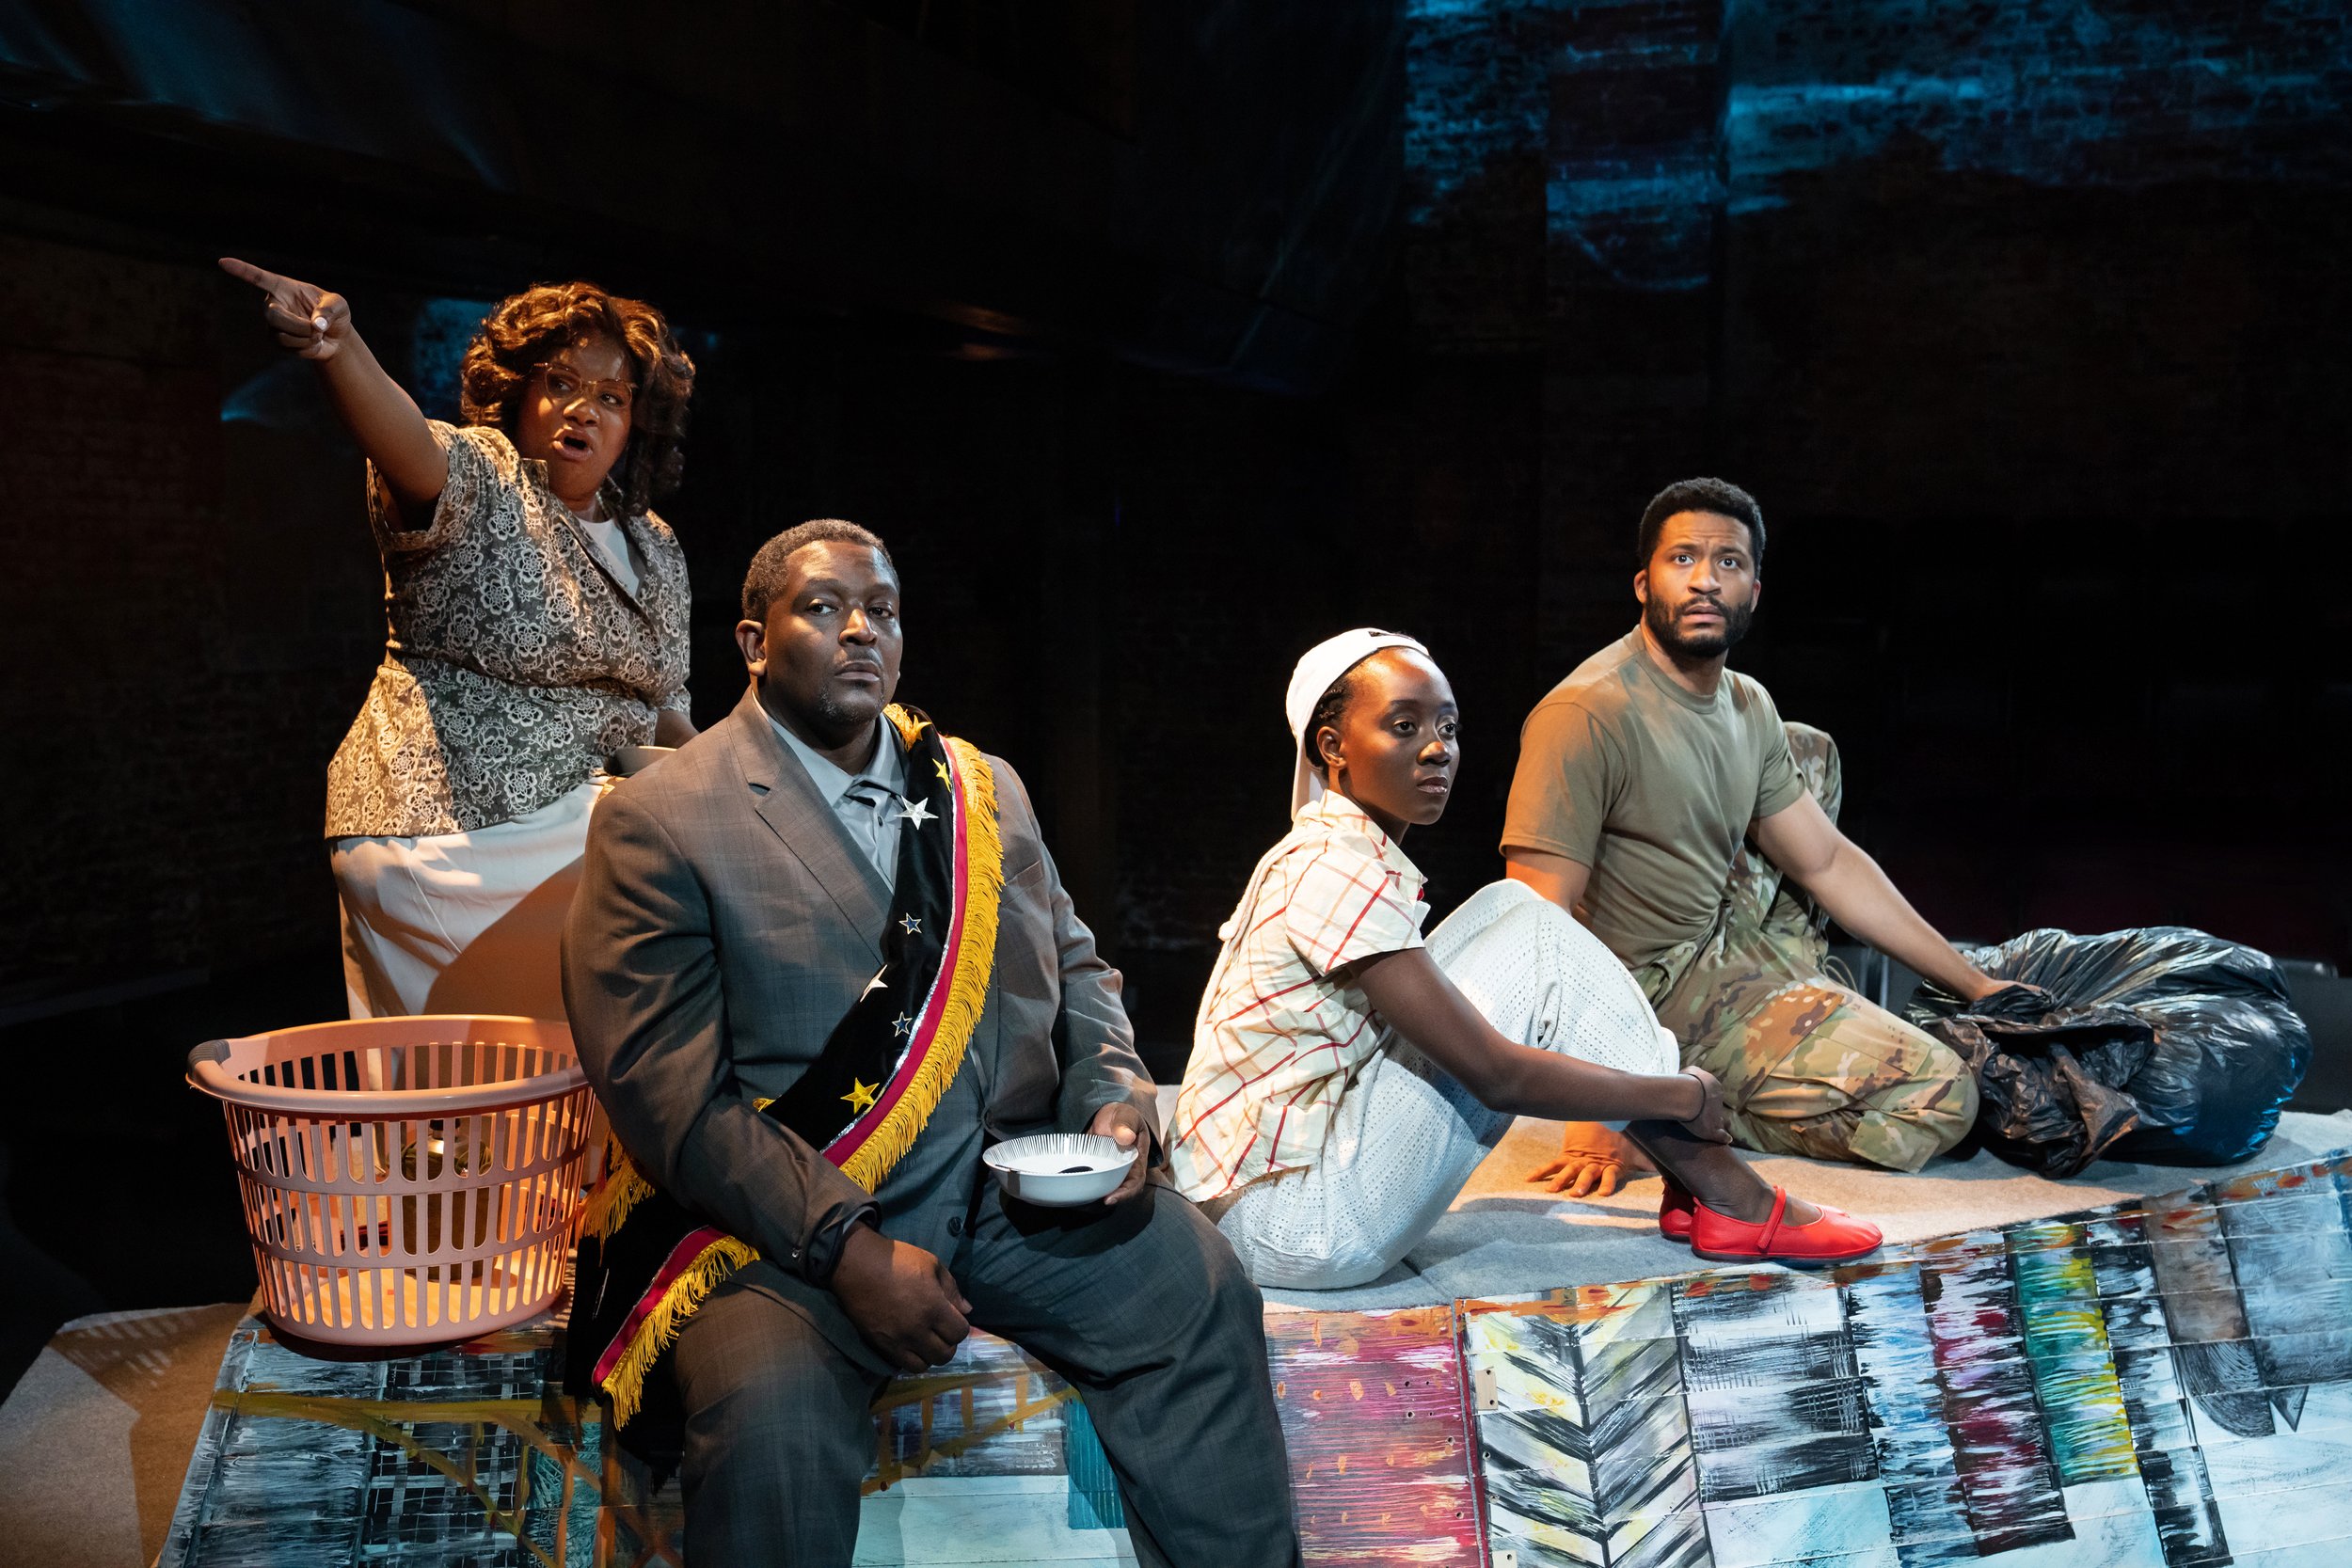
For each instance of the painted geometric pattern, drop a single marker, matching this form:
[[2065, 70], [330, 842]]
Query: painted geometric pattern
[[475, 1457], [1583, 1434], [2162, 1381]]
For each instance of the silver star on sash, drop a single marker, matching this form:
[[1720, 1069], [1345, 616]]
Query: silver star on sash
[[877, 983], [904, 1025], [916, 812], [910, 925]]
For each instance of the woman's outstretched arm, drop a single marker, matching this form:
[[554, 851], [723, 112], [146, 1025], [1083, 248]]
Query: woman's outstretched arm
[[1413, 994], [385, 420]]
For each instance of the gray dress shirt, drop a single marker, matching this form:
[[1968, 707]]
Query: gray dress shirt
[[868, 801]]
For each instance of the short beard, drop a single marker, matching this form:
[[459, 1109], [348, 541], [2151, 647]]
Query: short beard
[[826, 719], [832, 717], [1707, 645]]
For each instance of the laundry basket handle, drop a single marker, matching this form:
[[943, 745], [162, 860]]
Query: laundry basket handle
[[208, 1070]]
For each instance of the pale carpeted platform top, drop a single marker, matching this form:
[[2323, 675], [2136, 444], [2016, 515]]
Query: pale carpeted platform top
[[1505, 1237]]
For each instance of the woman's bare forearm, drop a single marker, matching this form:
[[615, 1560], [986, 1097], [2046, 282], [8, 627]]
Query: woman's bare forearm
[[1417, 1000], [1563, 1088], [386, 423]]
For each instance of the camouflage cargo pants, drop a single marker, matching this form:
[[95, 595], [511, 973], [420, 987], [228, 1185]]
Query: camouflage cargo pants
[[1809, 1066]]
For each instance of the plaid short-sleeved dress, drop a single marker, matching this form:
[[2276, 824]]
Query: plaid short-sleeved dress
[[1277, 1036]]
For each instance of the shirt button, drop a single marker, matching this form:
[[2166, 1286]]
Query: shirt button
[[955, 1226]]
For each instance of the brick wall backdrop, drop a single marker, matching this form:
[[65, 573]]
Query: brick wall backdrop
[[2025, 325], [2027, 322]]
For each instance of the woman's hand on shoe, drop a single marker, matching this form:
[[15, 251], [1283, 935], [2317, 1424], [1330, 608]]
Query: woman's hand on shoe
[[1593, 1162], [901, 1298], [1713, 1123]]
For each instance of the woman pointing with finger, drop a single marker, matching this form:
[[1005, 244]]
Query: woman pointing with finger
[[537, 612]]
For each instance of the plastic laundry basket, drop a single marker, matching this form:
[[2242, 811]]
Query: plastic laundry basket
[[404, 1181]]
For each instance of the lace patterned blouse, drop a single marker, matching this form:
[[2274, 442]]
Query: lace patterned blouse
[[517, 662]]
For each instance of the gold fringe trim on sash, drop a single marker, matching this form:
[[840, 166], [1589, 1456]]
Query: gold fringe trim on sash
[[706, 1273], [624, 1188], [967, 992]]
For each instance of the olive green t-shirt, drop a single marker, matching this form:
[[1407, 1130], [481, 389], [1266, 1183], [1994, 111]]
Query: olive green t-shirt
[[1625, 773]]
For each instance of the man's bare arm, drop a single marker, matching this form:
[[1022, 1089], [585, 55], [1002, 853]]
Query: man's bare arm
[[1808, 847], [1556, 877]]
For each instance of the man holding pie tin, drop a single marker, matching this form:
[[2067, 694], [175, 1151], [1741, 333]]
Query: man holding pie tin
[[820, 966]]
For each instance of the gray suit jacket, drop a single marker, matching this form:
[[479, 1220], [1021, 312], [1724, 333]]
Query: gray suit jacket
[[725, 922]]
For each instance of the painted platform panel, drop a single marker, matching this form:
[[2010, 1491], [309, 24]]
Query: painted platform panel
[[2166, 1380], [2105, 1389], [1373, 1414], [473, 1456], [1585, 1431]]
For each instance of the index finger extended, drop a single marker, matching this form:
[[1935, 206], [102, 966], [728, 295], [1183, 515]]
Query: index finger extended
[[261, 278]]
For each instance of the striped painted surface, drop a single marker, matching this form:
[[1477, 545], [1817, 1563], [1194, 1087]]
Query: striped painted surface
[[2162, 1380]]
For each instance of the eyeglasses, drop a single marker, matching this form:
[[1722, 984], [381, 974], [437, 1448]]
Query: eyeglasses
[[567, 386]]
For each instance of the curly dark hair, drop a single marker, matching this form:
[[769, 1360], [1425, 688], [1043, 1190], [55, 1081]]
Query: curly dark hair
[[524, 332], [1719, 496], [764, 583]]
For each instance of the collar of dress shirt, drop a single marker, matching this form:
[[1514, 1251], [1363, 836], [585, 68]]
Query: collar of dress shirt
[[1334, 812], [886, 767]]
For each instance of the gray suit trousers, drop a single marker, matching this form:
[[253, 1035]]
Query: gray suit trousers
[[1142, 1309]]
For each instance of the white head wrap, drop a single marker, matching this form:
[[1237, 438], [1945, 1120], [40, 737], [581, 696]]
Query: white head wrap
[[1317, 668]]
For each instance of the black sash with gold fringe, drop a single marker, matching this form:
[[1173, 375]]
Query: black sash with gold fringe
[[646, 1263]]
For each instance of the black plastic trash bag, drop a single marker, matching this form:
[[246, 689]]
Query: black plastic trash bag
[[2164, 1044]]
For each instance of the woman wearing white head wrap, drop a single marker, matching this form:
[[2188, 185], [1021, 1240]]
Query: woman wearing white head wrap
[[1348, 1076]]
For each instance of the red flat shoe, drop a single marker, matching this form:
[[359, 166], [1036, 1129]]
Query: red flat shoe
[[1674, 1211], [1836, 1237]]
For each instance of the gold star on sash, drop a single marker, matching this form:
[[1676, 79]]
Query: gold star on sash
[[861, 1096], [940, 768]]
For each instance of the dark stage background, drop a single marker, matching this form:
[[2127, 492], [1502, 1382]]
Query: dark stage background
[[1160, 340]]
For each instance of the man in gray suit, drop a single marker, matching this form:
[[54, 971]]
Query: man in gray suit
[[731, 913]]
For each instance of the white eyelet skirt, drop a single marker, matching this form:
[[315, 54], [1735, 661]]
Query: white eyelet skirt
[[1406, 1136], [462, 922]]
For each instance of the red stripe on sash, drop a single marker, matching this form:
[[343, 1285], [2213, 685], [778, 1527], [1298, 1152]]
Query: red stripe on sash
[[680, 1259]]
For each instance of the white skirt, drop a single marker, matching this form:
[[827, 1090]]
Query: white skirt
[[1406, 1136], [462, 922]]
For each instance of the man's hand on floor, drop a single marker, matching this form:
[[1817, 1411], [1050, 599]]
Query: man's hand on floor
[[901, 1298], [1593, 1162]]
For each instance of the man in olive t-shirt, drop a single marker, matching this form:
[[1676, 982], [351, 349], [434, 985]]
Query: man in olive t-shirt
[[1660, 798], [1652, 788]]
